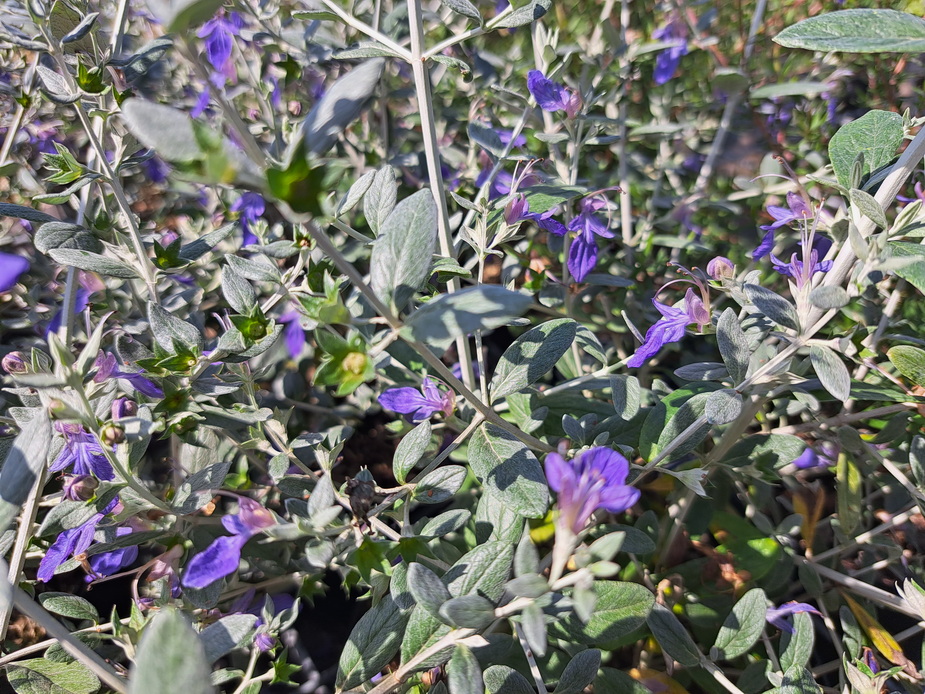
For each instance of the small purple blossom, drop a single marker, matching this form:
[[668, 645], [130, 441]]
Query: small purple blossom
[[518, 210], [107, 367], [551, 96], [70, 543], [82, 451], [108, 563], [224, 554], [421, 404], [595, 479], [156, 169], [251, 207], [671, 326], [776, 615], [293, 334], [801, 270], [219, 33], [826, 457], [667, 61], [796, 210], [582, 256], [11, 267], [80, 487], [81, 301]]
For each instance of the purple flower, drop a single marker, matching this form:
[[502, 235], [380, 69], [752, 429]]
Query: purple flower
[[582, 256], [251, 207], [518, 210], [80, 487], [551, 96], [671, 326], [69, 543], [801, 270], [81, 450], [108, 563], [421, 404], [165, 566], [776, 615], [720, 268], [107, 367], [796, 210], [156, 169], [293, 334], [224, 554], [81, 301], [809, 458], [219, 33], [11, 267], [666, 64], [202, 102], [506, 135], [457, 370], [596, 479]]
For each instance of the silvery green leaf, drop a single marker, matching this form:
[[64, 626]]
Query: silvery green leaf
[[449, 316], [723, 406], [67, 605], [410, 450], [40, 675], [356, 193], [258, 269], [509, 471], [454, 63], [486, 138], [170, 657], [440, 485], [166, 130], [877, 135], [579, 673], [22, 212], [138, 65], [869, 207], [526, 557], [533, 624], [673, 637], [626, 395], [468, 611], [742, 628], [529, 13], [765, 450], [380, 198], [226, 635], [531, 356], [605, 548], [465, 8], [426, 587], [400, 261], [322, 497], [237, 291], [198, 248], [464, 672], [341, 104], [63, 196], [22, 466], [796, 648], [829, 297], [64, 235], [773, 305], [692, 479], [733, 345], [703, 371], [798, 680], [831, 371], [857, 31], [178, 16], [55, 86], [446, 523], [527, 586], [372, 644], [170, 331], [501, 679], [198, 489], [496, 521], [621, 608], [81, 30], [917, 461], [92, 262]]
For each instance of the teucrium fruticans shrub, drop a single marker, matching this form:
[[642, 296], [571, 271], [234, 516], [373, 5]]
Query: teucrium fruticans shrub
[[260, 241]]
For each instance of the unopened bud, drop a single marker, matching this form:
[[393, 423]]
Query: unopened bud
[[721, 268], [15, 363], [123, 407], [80, 487], [112, 434], [573, 107], [515, 209]]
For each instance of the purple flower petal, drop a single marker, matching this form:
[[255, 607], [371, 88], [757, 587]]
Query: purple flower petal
[[776, 615], [402, 400], [68, 543], [216, 561], [11, 267], [549, 96], [582, 256], [558, 471]]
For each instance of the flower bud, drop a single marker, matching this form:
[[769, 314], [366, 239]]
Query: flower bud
[[112, 434], [573, 107], [80, 487], [721, 268], [515, 209], [123, 407], [15, 363]]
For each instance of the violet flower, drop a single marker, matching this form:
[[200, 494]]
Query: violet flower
[[808, 459], [667, 61], [219, 33], [551, 96], [776, 615], [518, 210], [801, 270], [421, 404], [107, 367], [595, 479], [293, 334], [222, 557], [251, 207], [108, 563], [70, 543], [796, 210], [582, 256], [81, 301], [671, 326], [11, 267], [82, 451]]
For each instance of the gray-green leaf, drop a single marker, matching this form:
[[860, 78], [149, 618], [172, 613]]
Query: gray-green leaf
[[170, 658], [742, 627], [857, 31], [509, 471], [531, 356]]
